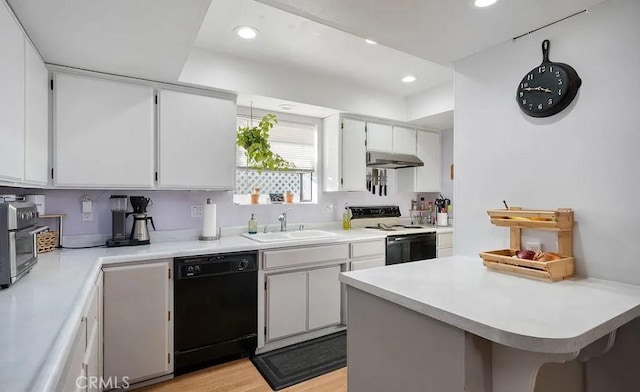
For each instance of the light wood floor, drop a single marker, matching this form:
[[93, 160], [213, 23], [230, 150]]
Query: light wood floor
[[241, 376]]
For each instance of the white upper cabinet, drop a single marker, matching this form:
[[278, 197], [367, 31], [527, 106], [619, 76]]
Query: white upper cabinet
[[12, 135], [379, 137], [428, 176], [404, 140], [103, 133], [197, 136], [354, 156], [425, 178], [36, 118], [344, 154]]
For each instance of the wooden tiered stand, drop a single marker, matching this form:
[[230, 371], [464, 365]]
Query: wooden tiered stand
[[516, 219]]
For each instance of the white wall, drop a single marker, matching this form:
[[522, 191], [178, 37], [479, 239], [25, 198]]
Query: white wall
[[585, 158], [446, 160], [276, 81], [430, 102]]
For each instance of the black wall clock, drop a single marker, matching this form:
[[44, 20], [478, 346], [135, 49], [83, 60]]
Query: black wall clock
[[549, 88]]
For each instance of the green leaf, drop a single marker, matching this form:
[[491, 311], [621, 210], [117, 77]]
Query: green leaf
[[255, 142]]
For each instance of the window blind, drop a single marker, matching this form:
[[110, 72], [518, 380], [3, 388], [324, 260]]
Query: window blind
[[295, 142]]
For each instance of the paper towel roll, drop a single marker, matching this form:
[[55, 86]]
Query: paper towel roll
[[209, 220], [442, 219]]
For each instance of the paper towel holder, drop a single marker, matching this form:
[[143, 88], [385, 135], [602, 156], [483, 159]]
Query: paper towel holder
[[212, 238], [217, 228]]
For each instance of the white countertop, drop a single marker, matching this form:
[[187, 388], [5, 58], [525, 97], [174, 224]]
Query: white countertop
[[40, 312], [559, 317]]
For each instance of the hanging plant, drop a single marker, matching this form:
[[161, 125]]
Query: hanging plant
[[255, 143]]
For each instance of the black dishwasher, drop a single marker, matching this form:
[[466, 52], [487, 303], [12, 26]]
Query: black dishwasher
[[215, 308], [410, 247]]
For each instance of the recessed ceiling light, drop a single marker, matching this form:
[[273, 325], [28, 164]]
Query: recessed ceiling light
[[286, 106], [483, 3], [370, 41], [246, 32], [409, 79]]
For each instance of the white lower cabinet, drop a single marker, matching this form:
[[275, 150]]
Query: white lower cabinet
[[92, 361], [324, 297], [74, 373], [83, 370], [138, 333], [357, 265], [444, 245], [446, 252], [301, 301], [369, 254], [286, 304]]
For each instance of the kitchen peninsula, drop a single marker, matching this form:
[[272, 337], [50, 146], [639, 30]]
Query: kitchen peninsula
[[449, 324]]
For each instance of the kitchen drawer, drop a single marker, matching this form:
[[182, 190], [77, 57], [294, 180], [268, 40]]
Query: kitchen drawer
[[368, 249], [445, 252], [445, 240], [304, 256], [368, 263]]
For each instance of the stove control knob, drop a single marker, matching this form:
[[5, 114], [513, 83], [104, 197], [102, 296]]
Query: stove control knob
[[190, 270], [197, 269]]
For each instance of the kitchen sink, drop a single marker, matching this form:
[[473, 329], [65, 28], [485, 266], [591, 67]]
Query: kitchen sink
[[290, 235], [311, 234], [267, 237]]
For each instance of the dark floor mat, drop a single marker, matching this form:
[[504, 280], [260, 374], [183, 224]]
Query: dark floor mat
[[303, 361]]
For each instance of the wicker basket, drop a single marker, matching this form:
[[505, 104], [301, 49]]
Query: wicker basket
[[47, 241]]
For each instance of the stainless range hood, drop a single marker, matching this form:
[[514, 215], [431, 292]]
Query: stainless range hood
[[388, 160]]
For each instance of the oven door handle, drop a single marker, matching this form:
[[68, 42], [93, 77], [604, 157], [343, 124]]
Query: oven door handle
[[39, 229], [412, 238], [35, 238]]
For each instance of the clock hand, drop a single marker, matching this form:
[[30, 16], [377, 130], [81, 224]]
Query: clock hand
[[539, 88]]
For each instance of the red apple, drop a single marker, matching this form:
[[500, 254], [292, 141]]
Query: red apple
[[526, 254]]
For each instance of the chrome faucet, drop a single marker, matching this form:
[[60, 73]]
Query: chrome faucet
[[283, 220]]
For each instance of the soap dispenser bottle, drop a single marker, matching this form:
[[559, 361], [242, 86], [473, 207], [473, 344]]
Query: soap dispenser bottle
[[253, 225], [346, 219]]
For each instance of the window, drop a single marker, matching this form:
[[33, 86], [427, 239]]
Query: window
[[296, 142]]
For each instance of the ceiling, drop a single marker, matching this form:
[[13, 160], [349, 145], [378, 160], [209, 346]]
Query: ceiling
[[145, 38], [274, 105], [153, 39], [290, 40], [442, 120], [441, 31]]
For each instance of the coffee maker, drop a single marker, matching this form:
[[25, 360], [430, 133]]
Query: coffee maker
[[140, 229], [119, 206]]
